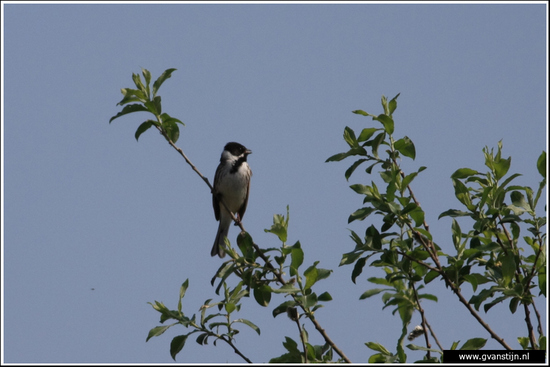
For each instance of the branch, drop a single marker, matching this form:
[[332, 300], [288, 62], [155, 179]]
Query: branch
[[186, 159], [454, 288], [235, 349], [421, 310], [433, 334], [293, 315]]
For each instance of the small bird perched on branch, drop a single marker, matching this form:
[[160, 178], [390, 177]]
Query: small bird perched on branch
[[232, 186]]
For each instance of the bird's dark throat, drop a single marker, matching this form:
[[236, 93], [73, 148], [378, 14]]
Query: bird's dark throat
[[238, 164]]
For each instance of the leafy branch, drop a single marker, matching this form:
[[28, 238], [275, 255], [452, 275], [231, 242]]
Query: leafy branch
[[252, 274], [404, 254]]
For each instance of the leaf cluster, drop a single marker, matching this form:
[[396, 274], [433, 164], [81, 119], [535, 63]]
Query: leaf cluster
[[263, 281], [491, 253], [148, 101]]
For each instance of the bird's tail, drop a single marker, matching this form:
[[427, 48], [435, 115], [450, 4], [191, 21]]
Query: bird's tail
[[217, 249]]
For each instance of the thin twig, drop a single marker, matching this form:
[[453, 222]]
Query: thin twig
[[297, 320], [421, 310], [433, 335], [185, 157], [235, 349]]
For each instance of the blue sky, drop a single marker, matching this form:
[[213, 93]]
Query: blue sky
[[86, 206]]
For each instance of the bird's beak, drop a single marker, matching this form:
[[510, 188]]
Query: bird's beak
[[248, 151]]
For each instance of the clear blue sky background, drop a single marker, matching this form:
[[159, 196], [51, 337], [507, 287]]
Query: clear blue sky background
[[86, 206]]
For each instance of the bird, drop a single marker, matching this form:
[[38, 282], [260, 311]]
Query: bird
[[232, 186]]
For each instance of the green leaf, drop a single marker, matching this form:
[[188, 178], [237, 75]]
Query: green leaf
[[393, 104], [290, 345], [262, 295], [542, 342], [183, 289], [513, 304], [474, 344], [508, 268], [349, 258], [358, 268], [361, 112], [464, 173], [457, 234], [360, 214], [478, 299], [280, 225], [156, 85], [283, 307], [366, 134], [524, 342], [143, 128], [518, 199], [430, 276], [147, 76], [152, 107], [337, 157], [418, 347], [453, 213], [202, 339], [177, 345], [417, 215], [361, 189], [314, 274], [165, 117], [462, 193], [325, 297], [407, 180], [541, 164], [309, 300], [129, 109], [376, 143], [349, 137], [378, 347], [408, 208], [172, 130], [297, 256], [474, 279], [353, 151], [246, 245], [249, 323], [387, 122], [372, 292], [542, 281], [158, 105], [139, 84], [156, 331], [132, 95], [287, 288], [406, 147], [352, 168], [501, 167], [430, 297]]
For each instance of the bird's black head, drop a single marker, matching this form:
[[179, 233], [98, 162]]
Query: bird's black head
[[237, 149]]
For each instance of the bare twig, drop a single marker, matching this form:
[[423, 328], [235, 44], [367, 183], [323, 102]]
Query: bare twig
[[421, 310], [235, 349], [433, 335]]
